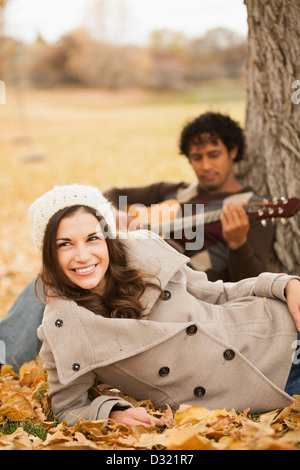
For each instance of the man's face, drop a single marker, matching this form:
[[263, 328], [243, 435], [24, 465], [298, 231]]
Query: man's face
[[213, 165]]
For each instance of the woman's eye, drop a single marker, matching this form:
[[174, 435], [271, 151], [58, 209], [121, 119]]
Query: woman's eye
[[93, 239], [64, 244]]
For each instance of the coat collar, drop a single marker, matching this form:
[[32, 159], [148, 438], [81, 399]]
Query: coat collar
[[148, 251], [150, 254]]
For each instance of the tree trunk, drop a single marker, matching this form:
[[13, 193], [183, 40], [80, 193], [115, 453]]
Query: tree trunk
[[272, 163]]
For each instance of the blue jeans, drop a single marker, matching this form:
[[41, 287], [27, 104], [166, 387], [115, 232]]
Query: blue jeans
[[18, 328], [293, 383]]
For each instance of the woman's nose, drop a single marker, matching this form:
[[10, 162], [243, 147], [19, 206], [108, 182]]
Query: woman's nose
[[82, 253]]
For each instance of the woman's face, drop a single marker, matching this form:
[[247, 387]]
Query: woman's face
[[82, 250]]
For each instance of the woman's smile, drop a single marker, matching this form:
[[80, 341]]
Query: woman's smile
[[86, 271], [82, 250]]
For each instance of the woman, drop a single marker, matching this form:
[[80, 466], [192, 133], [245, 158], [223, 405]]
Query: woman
[[129, 311]]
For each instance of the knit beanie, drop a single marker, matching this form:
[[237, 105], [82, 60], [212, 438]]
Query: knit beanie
[[61, 197]]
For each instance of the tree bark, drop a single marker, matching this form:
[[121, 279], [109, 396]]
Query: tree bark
[[272, 162]]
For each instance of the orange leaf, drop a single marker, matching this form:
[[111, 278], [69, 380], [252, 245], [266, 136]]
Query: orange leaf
[[189, 438], [31, 374], [197, 413], [16, 408]]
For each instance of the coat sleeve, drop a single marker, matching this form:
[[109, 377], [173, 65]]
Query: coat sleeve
[[270, 285], [71, 402]]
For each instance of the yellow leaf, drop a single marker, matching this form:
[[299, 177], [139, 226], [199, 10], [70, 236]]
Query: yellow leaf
[[19, 440], [7, 369], [189, 439], [197, 413], [40, 391], [16, 408], [31, 374]]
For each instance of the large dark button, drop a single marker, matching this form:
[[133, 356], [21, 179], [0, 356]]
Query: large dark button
[[166, 295], [76, 366], [164, 371], [229, 354], [192, 330], [59, 323], [199, 392]]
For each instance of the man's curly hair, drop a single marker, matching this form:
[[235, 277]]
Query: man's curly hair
[[210, 127]]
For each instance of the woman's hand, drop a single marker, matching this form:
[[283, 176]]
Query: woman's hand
[[135, 417], [292, 290]]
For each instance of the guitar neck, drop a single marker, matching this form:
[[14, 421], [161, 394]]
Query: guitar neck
[[187, 222], [265, 209]]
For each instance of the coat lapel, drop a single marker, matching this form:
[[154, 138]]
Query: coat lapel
[[154, 257]]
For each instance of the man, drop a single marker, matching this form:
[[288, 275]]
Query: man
[[235, 247]]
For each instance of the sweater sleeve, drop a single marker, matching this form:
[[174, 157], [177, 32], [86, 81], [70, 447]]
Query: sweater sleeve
[[252, 258], [147, 195], [71, 402]]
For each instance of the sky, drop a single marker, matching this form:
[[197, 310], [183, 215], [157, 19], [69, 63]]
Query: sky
[[123, 21]]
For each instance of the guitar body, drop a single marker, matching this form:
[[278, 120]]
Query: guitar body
[[155, 215]]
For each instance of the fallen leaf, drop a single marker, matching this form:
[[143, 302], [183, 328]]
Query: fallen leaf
[[189, 438], [18, 440], [197, 413], [17, 408]]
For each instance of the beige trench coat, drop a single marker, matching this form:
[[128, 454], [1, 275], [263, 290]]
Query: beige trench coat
[[216, 345]]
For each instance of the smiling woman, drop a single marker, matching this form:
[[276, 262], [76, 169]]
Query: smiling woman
[[82, 249], [82, 257]]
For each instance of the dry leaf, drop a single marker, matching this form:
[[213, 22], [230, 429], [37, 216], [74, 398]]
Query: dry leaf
[[189, 438], [17, 408], [19, 440], [23, 397], [196, 413]]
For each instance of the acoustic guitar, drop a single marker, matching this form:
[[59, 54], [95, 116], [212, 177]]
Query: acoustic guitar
[[165, 217]]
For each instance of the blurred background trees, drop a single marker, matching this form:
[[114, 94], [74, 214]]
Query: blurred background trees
[[169, 61]]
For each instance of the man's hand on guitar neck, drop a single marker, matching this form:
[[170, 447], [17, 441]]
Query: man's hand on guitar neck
[[235, 225]]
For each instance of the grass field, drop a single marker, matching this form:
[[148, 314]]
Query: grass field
[[103, 138]]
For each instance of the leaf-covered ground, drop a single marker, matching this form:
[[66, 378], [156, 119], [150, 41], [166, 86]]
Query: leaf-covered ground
[[27, 423]]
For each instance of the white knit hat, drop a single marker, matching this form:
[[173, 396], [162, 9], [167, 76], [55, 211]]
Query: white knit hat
[[61, 197]]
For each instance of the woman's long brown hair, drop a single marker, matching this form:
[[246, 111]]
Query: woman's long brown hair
[[124, 285]]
